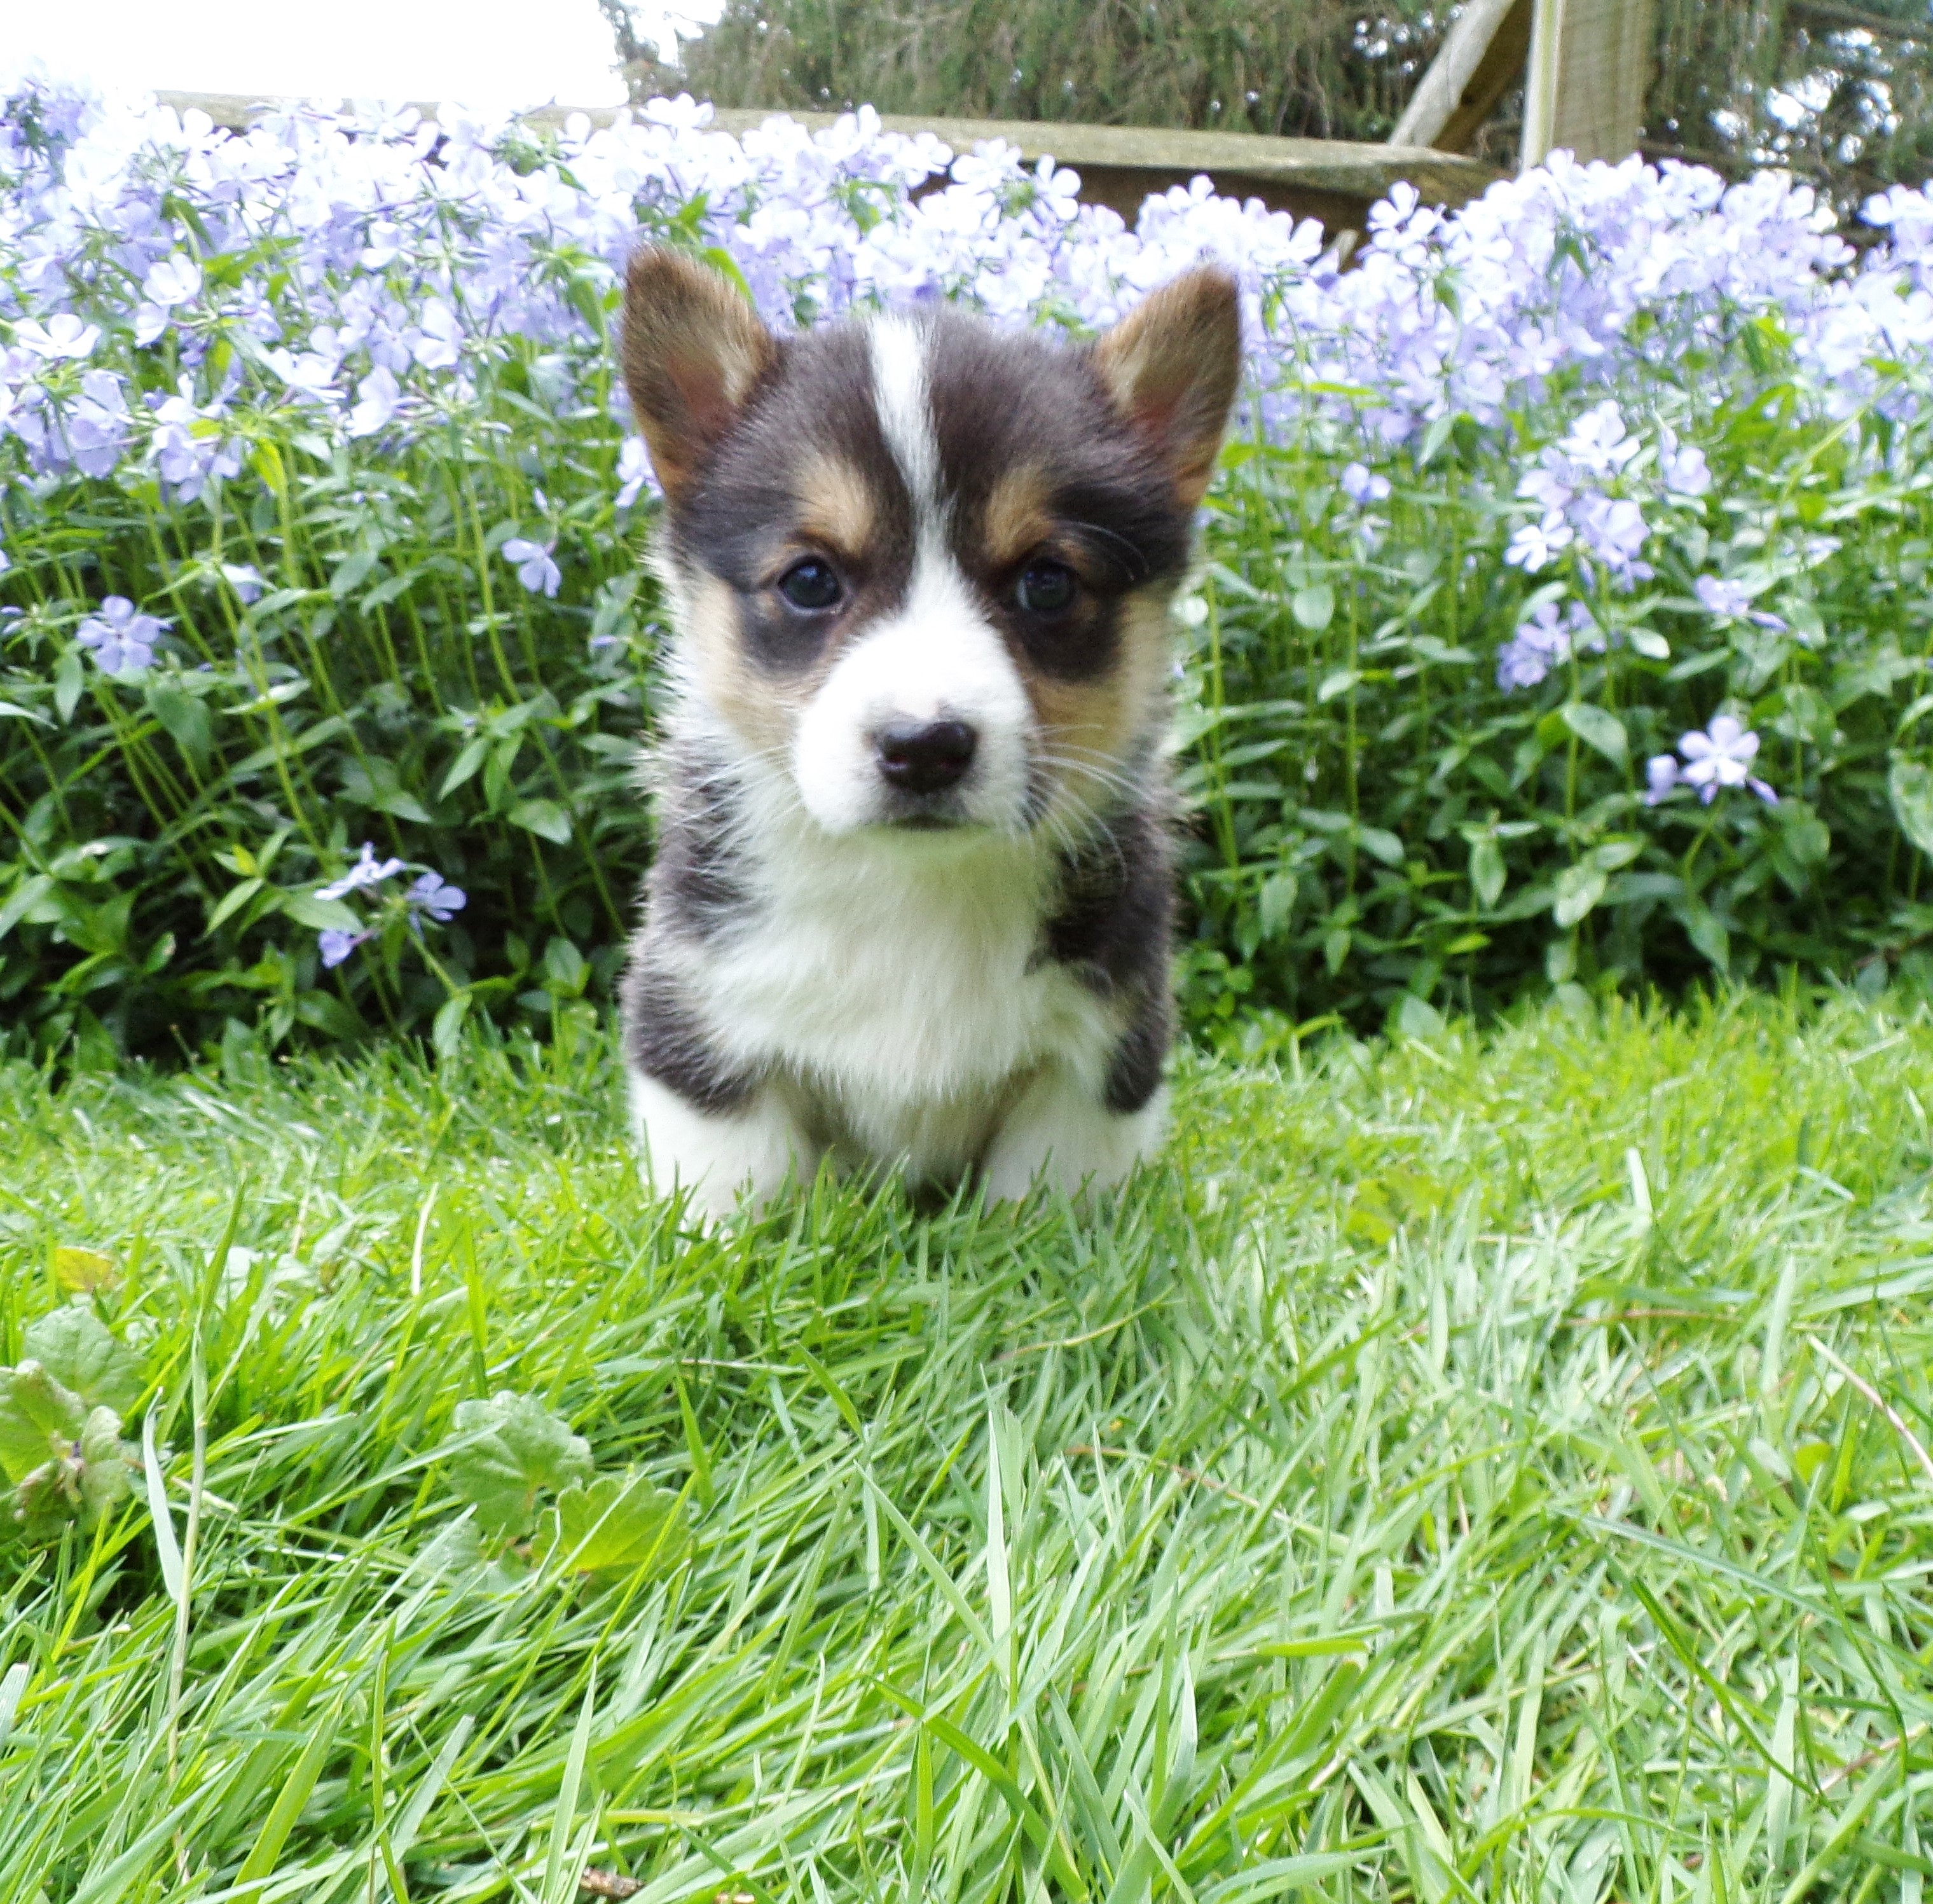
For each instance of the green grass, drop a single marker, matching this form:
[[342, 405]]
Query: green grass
[[1441, 1478]]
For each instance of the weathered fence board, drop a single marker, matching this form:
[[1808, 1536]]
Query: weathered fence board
[[1333, 180]]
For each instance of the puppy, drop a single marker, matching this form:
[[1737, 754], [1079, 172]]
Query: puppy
[[911, 901]]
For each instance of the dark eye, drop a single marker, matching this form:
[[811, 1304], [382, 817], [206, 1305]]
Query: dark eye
[[1045, 588], [810, 585]]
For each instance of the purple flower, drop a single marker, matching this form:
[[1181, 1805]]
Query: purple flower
[[1362, 486], [1722, 756], [532, 561], [1660, 773], [1683, 470], [1599, 442], [1614, 530], [1541, 641], [434, 897], [438, 343], [122, 640], [335, 945], [63, 336], [378, 397], [242, 578], [367, 871], [634, 472], [1731, 601], [1538, 543], [309, 376]]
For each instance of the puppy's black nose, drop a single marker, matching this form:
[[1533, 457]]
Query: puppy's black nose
[[925, 756]]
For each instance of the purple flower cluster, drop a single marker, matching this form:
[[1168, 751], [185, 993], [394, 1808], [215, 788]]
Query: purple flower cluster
[[1721, 756], [430, 896]]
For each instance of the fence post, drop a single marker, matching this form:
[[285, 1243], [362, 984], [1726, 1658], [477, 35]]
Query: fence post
[[1584, 87]]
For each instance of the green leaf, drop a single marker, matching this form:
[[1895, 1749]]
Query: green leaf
[[23, 899], [185, 717], [40, 1418], [1578, 888], [465, 764], [68, 680], [545, 817], [1909, 785], [1314, 607], [74, 1347], [320, 914], [1416, 1018], [1278, 902], [1597, 728], [446, 1033], [1380, 844], [513, 1449], [617, 1523], [1487, 870]]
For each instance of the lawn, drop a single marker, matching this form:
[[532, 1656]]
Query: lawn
[[1491, 1465]]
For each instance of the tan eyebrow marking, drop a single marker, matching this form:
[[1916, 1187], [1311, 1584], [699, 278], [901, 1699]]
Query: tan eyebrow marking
[[1018, 517], [836, 505]]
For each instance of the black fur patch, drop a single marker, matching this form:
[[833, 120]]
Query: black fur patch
[[1136, 1070], [665, 1040], [1115, 906], [697, 884]]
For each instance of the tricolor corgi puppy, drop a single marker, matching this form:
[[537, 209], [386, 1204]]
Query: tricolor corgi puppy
[[912, 901]]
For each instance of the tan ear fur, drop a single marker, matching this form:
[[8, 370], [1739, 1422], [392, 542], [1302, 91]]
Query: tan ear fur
[[1171, 366], [693, 351]]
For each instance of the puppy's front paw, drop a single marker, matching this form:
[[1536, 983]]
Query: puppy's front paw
[[1059, 1134], [715, 1159]]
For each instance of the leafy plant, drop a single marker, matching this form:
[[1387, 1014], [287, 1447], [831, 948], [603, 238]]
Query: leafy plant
[[510, 1453], [1563, 625], [61, 1409]]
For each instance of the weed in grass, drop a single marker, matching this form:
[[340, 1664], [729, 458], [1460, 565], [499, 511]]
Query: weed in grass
[[1482, 1465]]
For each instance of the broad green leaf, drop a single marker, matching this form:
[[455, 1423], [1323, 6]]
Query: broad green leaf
[[617, 1523], [1379, 843], [446, 1031], [1487, 870], [1909, 785], [513, 1450], [1578, 888], [1314, 607], [1278, 902], [545, 817], [40, 1418], [73, 1344], [1599, 729], [80, 1481], [81, 1271]]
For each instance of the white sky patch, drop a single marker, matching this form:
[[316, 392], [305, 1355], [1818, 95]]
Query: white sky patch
[[481, 53]]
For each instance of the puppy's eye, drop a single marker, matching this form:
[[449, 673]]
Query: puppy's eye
[[1045, 588], [810, 585]]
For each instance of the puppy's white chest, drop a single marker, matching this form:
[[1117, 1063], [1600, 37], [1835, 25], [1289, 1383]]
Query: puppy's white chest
[[906, 1001]]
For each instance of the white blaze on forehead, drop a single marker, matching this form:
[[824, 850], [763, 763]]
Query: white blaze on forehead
[[901, 395], [935, 657]]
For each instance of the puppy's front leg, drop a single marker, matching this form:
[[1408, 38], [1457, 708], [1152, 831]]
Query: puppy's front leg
[[1062, 1132], [715, 1155]]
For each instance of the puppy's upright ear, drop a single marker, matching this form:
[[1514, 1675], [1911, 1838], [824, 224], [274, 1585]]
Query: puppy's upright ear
[[1171, 366], [693, 350]]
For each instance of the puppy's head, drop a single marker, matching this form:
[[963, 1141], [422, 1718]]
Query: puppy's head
[[922, 567]]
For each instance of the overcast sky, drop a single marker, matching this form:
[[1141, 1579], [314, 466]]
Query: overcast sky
[[485, 52]]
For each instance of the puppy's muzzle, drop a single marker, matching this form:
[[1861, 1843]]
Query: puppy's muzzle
[[924, 756]]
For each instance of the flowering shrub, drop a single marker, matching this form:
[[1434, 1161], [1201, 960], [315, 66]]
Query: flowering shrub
[[325, 646]]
